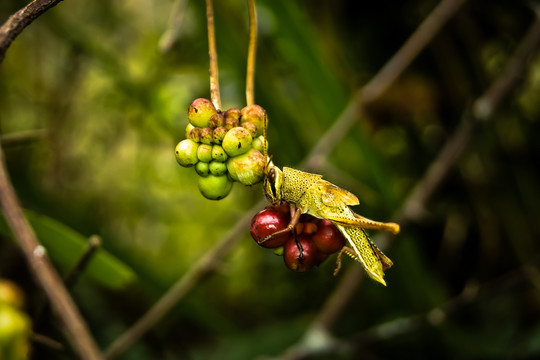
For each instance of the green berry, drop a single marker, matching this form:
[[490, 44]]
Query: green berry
[[219, 134], [202, 169], [247, 168], [186, 152], [204, 153], [237, 141], [200, 111], [216, 120], [255, 115], [231, 122], [189, 127], [232, 112], [207, 135], [258, 143], [215, 187], [219, 154], [252, 128], [194, 134], [217, 168]]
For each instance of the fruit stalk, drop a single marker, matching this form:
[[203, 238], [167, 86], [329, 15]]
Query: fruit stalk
[[212, 54]]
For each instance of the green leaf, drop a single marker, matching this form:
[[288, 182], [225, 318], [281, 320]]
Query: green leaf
[[65, 246]]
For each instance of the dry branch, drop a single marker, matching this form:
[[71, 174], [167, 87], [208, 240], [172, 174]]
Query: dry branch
[[21, 19], [35, 254], [45, 274]]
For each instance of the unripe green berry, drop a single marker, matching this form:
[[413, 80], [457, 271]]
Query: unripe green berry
[[233, 112], [247, 168], [200, 111], [216, 120], [204, 153], [218, 154], [237, 141], [207, 135], [215, 187], [252, 128], [189, 127], [186, 153], [15, 330], [258, 143], [254, 114], [217, 168], [194, 134], [231, 122], [218, 134], [202, 169]]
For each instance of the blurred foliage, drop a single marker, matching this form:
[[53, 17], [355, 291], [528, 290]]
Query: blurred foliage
[[114, 107]]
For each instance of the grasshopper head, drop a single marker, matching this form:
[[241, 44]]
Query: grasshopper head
[[272, 182]]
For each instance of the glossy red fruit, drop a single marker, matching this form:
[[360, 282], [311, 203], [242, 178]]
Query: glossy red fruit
[[267, 222], [328, 239], [284, 207], [300, 256]]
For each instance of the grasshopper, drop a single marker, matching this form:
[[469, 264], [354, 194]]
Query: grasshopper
[[308, 193]]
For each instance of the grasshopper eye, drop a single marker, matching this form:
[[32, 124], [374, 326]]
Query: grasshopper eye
[[272, 175]]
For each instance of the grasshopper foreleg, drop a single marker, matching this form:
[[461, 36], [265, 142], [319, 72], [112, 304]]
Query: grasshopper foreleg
[[295, 218]]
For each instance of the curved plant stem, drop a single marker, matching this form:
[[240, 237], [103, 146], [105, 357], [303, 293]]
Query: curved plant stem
[[45, 274], [252, 53], [212, 54], [21, 19]]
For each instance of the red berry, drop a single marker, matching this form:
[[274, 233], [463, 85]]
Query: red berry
[[267, 222], [328, 239], [300, 256], [309, 228], [283, 207]]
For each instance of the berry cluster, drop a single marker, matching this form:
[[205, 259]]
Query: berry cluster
[[308, 245], [223, 146]]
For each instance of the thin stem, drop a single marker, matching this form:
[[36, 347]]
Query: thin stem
[[212, 53], [252, 53], [423, 35], [94, 243], [21, 19], [47, 277], [22, 137]]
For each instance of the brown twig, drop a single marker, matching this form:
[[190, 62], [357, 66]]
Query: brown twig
[[22, 137], [47, 277], [436, 316], [383, 79], [195, 274], [413, 206], [252, 53], [212, 54], [21, 19]]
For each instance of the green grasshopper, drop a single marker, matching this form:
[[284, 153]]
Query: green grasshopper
[[309, 194]]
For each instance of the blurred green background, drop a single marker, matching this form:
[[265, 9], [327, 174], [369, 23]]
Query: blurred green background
[[114, 106]]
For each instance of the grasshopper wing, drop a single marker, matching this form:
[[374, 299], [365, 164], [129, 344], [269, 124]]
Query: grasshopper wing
[[365, 252], [334, 196]]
